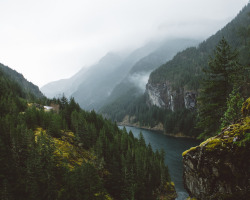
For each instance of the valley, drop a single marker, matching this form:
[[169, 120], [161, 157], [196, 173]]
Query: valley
[[165, 119]]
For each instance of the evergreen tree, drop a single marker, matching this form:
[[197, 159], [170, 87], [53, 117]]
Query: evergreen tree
[[223, 73], [233, 112]]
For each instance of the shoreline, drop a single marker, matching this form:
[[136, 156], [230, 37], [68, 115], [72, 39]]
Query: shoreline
[[178, 135]]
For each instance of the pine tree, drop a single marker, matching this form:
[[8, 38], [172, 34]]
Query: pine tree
[[222, 74], [233, 112]]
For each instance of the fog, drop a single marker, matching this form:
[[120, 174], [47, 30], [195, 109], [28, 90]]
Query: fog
[[140, 80], [50, 40]]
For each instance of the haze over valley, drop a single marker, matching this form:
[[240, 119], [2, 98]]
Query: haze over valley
[[100, 83], [118, 100], [53, 40]]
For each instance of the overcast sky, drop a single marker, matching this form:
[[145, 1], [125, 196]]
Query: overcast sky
[[47, 40]]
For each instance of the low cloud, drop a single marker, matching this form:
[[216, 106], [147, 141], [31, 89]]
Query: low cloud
[[63, 36], [140, 80]]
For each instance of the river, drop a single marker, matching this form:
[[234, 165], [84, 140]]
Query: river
[[173, 158]]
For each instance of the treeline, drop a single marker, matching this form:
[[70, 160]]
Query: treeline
[[117, 165], [138, 111]]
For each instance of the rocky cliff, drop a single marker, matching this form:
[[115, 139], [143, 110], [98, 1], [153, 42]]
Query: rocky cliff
[[164, 95], [219, 167]]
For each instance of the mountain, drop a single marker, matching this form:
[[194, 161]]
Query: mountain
[[134, 82], [27, 87], [84, 78], [172, 89], [180, 78], [93, 85], [177, 84], [63, 86]]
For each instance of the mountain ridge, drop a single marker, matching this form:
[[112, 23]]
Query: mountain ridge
[[28, 87], [175, 85], [134, 82], [93, 87], [51, 89]]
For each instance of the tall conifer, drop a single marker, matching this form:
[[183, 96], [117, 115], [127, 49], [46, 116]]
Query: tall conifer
[[223, 73]]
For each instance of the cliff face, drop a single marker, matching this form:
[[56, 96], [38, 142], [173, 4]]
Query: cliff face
[[219, 167], [164, 95]]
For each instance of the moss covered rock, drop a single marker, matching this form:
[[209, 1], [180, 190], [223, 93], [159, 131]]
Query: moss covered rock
[[219, 168], [246, 108]]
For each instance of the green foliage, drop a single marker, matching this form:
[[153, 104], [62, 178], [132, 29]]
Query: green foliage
[[122, 167], [222, 75], [30, 90], [141, 171], [233, 112], [82, 183], [180, 121], [184, 70]]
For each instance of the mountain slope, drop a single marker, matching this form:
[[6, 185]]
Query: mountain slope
[[195, 58], [172, 89], [180, 78], [134, 82], [63, 86], [89, 77], [92, 85], [28, 87], [95, 85]]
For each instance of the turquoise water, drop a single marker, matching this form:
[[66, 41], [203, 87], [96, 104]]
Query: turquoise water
[[173, 158]]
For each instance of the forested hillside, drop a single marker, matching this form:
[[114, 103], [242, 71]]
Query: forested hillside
[[185, 69], [180, 79], [27, 87], [68, 153]]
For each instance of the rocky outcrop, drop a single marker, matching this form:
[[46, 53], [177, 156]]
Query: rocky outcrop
[[219, 167], [164, 95], [190, 99]]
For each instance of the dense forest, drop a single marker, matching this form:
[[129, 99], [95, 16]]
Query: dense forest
[[190, 70], [68, 153]]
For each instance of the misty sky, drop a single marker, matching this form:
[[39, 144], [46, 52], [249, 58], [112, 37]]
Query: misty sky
[[47, 40]]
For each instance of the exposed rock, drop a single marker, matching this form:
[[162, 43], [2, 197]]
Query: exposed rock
[[219, 167], [164, 95], [190, 99]]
